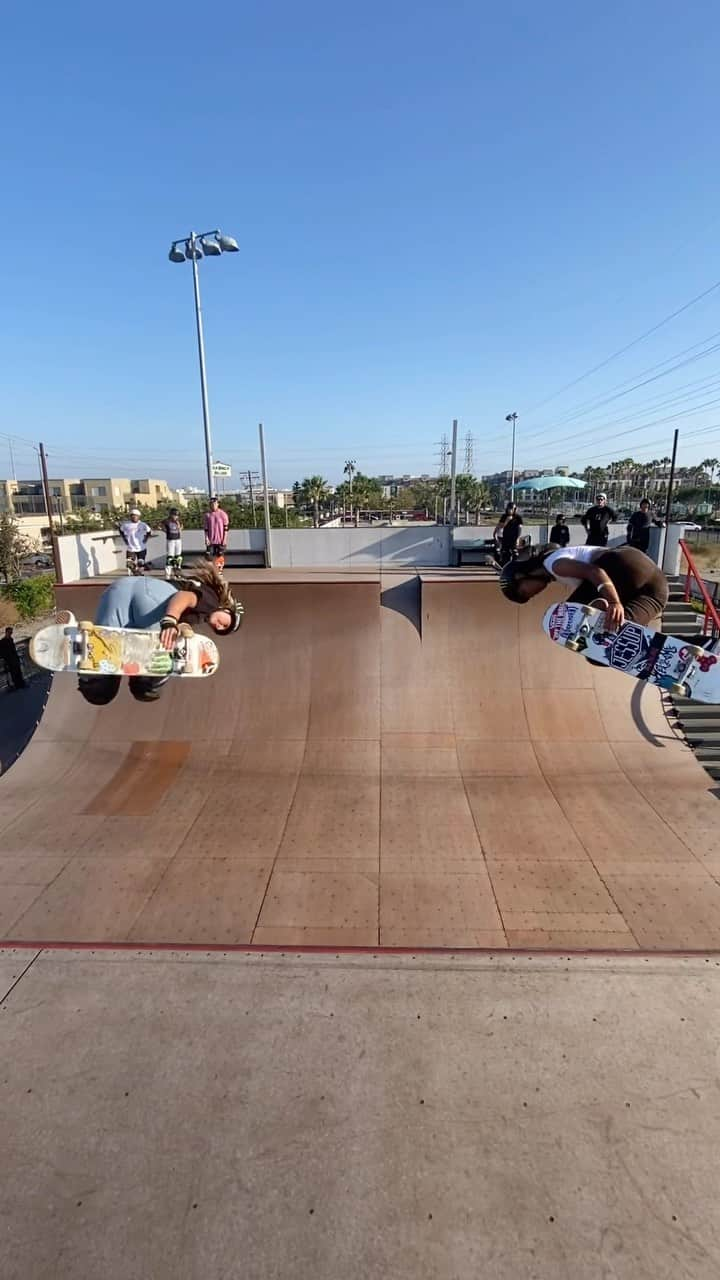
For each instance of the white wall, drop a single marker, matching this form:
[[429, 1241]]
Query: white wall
[[92, 555]]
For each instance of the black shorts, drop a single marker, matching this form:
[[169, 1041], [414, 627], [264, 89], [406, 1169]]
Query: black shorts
[[215, 549], [640, 584]]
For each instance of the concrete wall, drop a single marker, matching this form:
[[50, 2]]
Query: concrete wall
[[92, 555]]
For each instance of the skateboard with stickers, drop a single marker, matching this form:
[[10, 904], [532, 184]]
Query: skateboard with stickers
[[684, 669], [89, 650]]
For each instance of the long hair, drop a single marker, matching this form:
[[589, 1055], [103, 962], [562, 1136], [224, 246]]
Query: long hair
[[208, 575]]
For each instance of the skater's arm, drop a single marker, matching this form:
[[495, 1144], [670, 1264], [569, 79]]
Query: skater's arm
[[177, 606], [567, 568]]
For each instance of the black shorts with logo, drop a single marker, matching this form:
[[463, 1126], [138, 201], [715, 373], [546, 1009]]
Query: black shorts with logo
[[640, 584]]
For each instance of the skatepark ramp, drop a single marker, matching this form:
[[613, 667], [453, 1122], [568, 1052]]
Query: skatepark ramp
[[383, 759]]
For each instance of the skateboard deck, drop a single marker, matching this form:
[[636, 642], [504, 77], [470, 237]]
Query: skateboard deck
[[87, 649], [670, 662]]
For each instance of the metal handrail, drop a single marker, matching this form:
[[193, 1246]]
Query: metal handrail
[[710, 614]]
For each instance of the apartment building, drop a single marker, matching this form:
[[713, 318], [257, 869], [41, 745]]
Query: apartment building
[[93, 493]]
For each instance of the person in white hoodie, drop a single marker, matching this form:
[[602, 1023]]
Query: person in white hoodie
[[135, 533]]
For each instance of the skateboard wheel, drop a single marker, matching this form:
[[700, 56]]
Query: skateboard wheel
[[677, 690], [573, 645], [86, 626], [695, 651]]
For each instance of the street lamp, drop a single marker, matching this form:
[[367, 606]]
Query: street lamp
[[208, 244], [512, 417]]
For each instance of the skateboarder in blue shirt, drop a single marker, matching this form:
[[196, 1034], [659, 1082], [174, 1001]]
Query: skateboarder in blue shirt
[[154, 605]]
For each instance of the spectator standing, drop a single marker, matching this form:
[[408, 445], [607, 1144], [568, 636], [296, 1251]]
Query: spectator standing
[[216, 525], [135, 533], [507, 532], [560, 534], [639, 526], [11, 658], [172, 528], [596, 520]]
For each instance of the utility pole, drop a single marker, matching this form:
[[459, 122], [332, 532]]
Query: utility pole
[[48, 509], [266, 497], [12, 461], [512, 417], [453, 474], [668, 503], [252, 475]]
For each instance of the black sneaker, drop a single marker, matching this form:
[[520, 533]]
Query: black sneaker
[[147, 688]]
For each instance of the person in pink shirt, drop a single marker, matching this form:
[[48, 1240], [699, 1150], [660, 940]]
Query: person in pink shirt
[[216, 525]]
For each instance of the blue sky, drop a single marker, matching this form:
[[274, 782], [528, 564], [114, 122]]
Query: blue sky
[[443, 211]]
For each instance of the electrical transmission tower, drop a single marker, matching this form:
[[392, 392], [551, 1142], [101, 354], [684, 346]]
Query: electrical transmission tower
[[443, 451], [469, 459]]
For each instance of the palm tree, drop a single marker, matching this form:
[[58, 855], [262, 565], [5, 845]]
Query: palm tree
[[315, 490], [349, 470]]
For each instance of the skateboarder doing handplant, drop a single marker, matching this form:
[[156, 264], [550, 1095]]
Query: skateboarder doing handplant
[[153, 605], [629, 582]]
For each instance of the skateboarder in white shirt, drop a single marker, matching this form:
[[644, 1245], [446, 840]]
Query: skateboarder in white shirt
[[629, 582], [135, 533]]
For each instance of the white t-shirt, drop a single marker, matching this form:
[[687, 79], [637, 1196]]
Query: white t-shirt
[[585, 555], [135, 534]]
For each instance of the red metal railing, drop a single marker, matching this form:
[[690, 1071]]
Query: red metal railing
[[711, 617]]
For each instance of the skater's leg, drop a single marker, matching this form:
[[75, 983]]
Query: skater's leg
[[99, 690], [115, 605], [147, 688]]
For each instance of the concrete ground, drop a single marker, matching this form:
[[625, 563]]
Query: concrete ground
[[207, 1115]]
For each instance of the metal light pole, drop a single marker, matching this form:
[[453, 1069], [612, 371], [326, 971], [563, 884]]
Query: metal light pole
[[512, 417], [209, 244]]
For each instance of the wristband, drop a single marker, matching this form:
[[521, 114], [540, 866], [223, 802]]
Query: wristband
[[169, 623]]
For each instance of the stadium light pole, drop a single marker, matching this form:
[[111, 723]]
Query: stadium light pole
[[208, 244], [512, 417]]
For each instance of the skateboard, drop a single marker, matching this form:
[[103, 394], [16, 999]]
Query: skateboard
[[670, 662], [87, 649]]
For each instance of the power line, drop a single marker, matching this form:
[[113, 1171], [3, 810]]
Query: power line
[[628, 347]]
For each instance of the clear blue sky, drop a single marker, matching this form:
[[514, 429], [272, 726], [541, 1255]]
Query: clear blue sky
[[443, 211]]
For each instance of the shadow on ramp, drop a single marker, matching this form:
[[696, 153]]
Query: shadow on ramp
[[404, 598]]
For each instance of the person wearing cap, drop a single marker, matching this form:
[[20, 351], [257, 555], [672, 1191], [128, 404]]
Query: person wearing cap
[[200, 598], [172, 528], [629, 583], [596, 520], [135, 533], [216, 524]]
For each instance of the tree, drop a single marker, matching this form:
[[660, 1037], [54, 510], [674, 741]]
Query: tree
[[14, 546], [314, 491]]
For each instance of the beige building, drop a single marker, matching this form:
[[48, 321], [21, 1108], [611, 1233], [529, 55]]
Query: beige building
[[94, 493]]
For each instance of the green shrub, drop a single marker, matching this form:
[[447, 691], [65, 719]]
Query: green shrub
[[8, 614], [32, 597]]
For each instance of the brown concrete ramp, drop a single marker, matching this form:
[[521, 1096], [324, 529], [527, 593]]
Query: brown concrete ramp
[[389, 761]]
